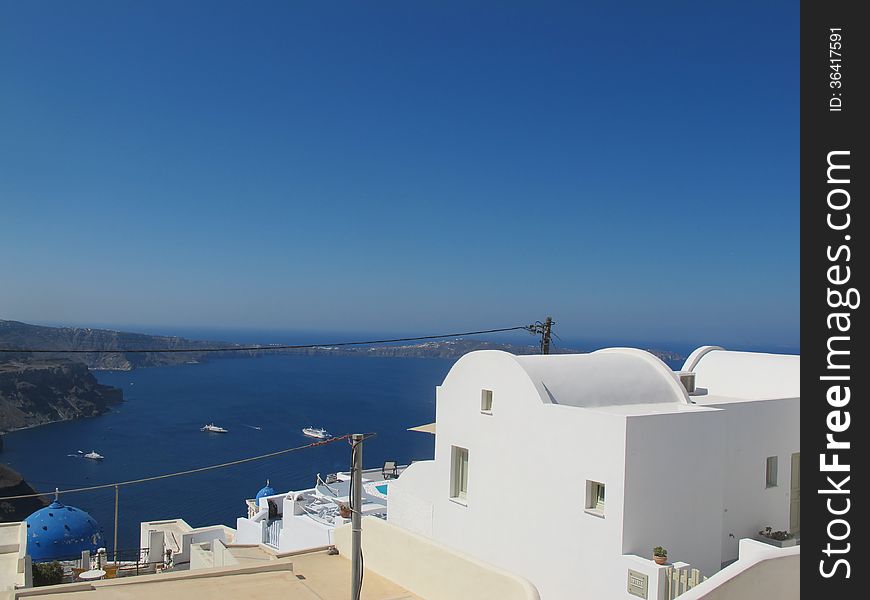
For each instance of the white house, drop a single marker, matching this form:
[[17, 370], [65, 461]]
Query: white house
[[298, 520], [564, 469]]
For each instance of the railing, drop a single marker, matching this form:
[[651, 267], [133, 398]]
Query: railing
[[680, 581], [127, 562], [273, 532]]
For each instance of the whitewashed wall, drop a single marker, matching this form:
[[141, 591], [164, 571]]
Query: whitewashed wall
[[754, 431], [687, 470], [528, 466], [674, 486], [411, 495]]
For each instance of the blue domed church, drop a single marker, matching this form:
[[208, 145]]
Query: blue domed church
[[59, 532], [266, 491]]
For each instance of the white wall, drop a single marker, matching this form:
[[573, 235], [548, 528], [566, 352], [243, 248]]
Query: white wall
[[411, 497], [299, 533], [748, 374], [428, 569], [683, 478], [249, 531], [14, 565], [674, 486], [196, 536], [528, 466], [754, 431], [763, 572]]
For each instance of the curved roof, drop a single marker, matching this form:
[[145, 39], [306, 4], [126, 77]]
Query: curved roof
[[750, 375], [58, 531], [611, 377]]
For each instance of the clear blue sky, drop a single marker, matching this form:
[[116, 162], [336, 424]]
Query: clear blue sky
[[629, 167]]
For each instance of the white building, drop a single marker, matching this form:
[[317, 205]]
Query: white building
[[568, 469], [297, 520]]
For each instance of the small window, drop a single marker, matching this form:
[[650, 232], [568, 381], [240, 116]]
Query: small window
[[770, 471], [459, 474], [486, 401], [595, 496]]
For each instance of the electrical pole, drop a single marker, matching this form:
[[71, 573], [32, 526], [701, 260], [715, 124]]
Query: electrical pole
[[355, 516], [544, 329], [545, 335], [115, 547]]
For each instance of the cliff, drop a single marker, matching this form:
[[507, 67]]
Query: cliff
[[14, 334], [12, 484], [39, 392]]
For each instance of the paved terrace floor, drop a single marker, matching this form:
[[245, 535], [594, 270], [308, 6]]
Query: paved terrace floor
[[312, 576]]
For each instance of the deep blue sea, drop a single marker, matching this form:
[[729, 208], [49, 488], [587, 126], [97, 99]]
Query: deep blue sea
[[157, 430]]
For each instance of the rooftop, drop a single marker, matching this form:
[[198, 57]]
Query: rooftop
[[629, 381], [745, 375], [312, 575]]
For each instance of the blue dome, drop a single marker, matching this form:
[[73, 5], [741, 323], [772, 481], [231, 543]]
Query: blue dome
[[61, 532], [266, 491]]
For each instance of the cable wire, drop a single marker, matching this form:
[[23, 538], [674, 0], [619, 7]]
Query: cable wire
[[261, 348], [180, 473]]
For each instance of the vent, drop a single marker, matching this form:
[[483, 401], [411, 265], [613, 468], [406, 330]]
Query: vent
[[687, 378]]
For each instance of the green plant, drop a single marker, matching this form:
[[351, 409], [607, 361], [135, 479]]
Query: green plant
[[659, 551], [780, 536], [50, 573]]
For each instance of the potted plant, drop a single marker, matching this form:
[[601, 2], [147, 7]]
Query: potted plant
[[344, 510], [781, 539], [660, 555]]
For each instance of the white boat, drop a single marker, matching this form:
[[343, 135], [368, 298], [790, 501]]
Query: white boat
[[316, 432], [212, 428], [93, 455]]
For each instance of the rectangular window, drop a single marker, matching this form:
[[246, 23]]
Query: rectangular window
[[486, 401], [771, 471], [459, 473], [594, 496]]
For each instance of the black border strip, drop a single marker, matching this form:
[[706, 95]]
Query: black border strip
[[834, 226]]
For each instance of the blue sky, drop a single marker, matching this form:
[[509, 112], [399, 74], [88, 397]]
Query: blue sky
[[630, 168]]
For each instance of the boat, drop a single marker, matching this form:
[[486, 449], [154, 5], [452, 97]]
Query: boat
[[316, 432], [94, 455], [212, 428]]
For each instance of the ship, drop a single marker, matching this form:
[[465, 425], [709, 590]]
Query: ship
[[316, 432], [212, 428]]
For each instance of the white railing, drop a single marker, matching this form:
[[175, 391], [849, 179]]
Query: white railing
[[680, 581], [273, 533]]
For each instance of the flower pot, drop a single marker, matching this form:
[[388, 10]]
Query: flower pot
[[660, 560], [344, 511]]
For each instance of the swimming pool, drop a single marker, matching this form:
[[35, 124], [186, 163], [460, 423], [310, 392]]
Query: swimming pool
[[382, 488]]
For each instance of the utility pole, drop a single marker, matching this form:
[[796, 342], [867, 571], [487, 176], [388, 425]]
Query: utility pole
[[545, 335], [115, 547], [355, 516], [544, 329]]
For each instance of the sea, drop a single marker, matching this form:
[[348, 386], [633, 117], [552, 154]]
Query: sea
[[264, 403]]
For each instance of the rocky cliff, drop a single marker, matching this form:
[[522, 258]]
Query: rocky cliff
[[11, 484], [14, 335], [41, 391]]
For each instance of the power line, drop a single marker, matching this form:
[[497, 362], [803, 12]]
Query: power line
[[180, 473], [260, 348]]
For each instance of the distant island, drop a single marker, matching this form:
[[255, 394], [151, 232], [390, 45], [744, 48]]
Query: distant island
[[39, 388], [458, 347], [14, 334]]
